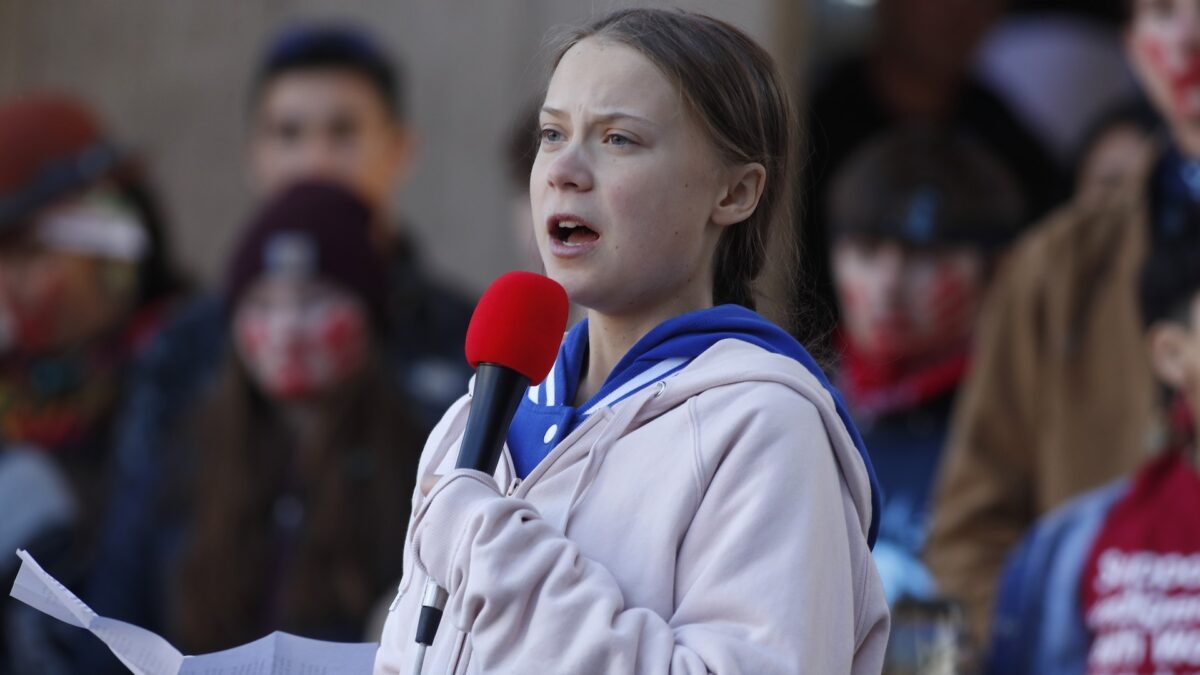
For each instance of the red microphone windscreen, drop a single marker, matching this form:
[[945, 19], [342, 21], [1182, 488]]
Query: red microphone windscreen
[[519, 323]]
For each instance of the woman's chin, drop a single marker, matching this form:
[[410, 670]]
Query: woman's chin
[[574, 281], [582, 292]]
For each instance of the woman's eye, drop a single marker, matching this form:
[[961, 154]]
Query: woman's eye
[[550, 136], [618, 140]]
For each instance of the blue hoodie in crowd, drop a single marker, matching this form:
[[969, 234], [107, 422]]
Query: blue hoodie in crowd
[[546, 415]]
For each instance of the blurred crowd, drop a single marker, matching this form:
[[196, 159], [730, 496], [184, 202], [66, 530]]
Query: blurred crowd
[[1001, 266]]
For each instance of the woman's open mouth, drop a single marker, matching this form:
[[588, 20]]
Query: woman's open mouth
[[571, 235]]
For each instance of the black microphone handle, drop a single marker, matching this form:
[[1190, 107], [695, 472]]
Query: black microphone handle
[[494, 400], [498, 391]]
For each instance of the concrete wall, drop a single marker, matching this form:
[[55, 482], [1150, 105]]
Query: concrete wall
[[170, 77]]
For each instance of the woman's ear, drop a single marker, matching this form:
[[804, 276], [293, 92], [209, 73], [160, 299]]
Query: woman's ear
[[1171, 354], [742, 192]]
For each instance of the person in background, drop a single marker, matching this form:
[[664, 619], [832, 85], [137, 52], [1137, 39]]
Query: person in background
[[1060, 398], [1059, 65], [1110, 581], [918, 219], [289, 474], [85, 280], [325, 101], [915, 71], [328, 101], [84, 283]]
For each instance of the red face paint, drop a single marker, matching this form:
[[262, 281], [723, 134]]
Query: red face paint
[[1178, 68], [33, 296], [945, 305], [301, 345], [899, 307]]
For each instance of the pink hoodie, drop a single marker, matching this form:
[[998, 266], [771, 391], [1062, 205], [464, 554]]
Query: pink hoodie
[[713, 523]]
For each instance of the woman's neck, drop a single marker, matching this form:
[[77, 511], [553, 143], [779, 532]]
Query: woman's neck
[[611, 336]]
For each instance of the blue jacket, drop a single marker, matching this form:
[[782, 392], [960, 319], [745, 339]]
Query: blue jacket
[[905, 448], [1038, 626]]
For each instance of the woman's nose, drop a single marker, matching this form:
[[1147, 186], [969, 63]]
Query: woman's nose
[[890, 265], [569, 170]]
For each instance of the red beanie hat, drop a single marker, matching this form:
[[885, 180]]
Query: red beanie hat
[[317, 229], [50, 145]]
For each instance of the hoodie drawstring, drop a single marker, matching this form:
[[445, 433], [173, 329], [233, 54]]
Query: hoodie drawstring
[[613, 431]]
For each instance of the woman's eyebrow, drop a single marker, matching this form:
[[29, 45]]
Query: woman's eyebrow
[[604, 115]]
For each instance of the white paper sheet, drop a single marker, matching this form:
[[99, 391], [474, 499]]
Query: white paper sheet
[[148, 654]]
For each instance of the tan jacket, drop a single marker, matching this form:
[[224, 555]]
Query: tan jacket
[[1060, 398], [714, 523]]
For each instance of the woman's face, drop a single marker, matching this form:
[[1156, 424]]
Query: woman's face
[[1163, 40], [624, 185], [300, 338], [901, 304], [330, 124], [67, 279]]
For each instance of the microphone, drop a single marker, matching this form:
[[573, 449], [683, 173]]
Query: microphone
[[512, 342]]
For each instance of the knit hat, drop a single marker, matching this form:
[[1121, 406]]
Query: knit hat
[[927, 188], [50, 145], [316, 230]]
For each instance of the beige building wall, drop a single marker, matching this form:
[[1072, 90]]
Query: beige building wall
[[169, 77]]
